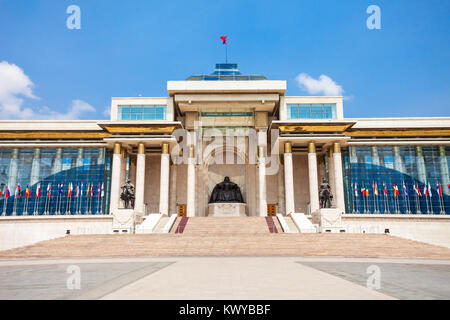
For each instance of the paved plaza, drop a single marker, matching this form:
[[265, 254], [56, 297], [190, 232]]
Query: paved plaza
[[224, 278]]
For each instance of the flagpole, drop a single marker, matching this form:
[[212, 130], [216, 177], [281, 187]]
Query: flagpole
[[35, 201], [5, 206], [14, 204], [67, 205], [25, 211], [101, 203], [226, 53], [386, 203], [45, 204]]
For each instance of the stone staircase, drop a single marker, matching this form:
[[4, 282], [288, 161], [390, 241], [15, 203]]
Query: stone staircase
[[260, 243], [228, 225], [161, 224]]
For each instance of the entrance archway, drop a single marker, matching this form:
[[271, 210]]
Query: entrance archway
[[214, 172]]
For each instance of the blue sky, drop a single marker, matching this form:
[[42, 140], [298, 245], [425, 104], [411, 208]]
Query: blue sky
[[126, 48]]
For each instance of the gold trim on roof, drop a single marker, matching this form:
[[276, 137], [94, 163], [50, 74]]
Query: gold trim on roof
[[139, 128], [54, 135], [397, 132], [333, 127]]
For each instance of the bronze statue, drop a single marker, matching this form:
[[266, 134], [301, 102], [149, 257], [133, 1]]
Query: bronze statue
[[325, 195], [226, 192], [127, 195]]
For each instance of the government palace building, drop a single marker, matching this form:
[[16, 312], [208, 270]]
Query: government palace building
[[225, 145]]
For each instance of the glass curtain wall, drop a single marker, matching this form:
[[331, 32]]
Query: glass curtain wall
[[54, 181], [397, 179]]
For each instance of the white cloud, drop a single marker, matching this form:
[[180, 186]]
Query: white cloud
[[77, 108], [15, 86], [322, 86], [107, 112]]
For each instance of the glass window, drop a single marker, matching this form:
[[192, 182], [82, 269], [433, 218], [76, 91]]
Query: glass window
[[144, 112], [56, 170], [412, 170], [311, 111]]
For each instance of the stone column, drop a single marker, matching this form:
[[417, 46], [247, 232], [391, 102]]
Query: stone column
[[35, 167], [313, 180], [132, 170], [444, 170], [190, 207], [115, 178], [331, 179], [262, 141], [124, 167], [338, 178], [262, 182], [173, 189], [13, 170], [288, 179], [421, 170], [164, 181], [281, 193], [140, 180]]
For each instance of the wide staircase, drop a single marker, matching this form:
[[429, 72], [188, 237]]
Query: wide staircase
[[227, 225]]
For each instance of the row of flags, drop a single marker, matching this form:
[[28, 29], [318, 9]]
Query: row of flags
[[427, 191], [60, 190]]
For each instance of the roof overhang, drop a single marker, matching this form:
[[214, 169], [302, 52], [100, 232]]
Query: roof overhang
[[256, 86], [312, 126], [260, 102], [140, 127]]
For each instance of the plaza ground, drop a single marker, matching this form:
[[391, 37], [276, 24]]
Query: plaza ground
[[225, 278]]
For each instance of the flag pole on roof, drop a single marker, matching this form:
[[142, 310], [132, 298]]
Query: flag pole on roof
[[225, 42]]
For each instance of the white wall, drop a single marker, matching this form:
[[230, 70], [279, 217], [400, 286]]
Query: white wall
[[311, 99], [115, 102], [22, 231], [433, 230]]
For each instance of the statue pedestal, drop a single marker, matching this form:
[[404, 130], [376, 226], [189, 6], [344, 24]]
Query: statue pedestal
[[328, 219], [123, 221], [226, 210]]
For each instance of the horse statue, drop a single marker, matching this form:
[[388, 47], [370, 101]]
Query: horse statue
[[127, 195], [325, 195]]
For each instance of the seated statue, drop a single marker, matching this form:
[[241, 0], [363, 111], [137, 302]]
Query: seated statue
[[226, 192]]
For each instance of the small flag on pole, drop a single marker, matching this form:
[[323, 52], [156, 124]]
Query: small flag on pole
[[224, 39], [38, 191]]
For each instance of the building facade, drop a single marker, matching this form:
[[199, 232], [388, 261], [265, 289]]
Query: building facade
[[278, 149]]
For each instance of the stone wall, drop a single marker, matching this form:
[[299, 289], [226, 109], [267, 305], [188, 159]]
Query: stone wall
[[22, 231], [425, 228]]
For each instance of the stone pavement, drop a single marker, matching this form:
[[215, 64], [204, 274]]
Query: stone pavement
[[224, 278]]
